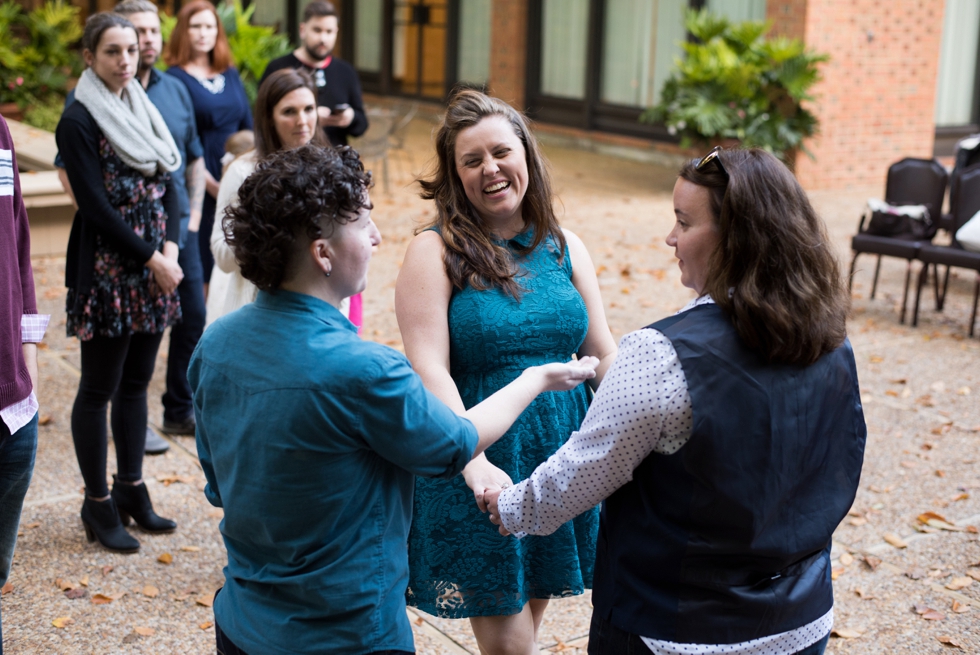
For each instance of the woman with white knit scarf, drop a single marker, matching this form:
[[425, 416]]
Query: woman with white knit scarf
[[121, 271]]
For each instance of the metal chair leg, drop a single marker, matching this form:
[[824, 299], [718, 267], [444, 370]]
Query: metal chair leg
[[945, 287], [976, 296], [850, 274], [920, 282], [905, 291], [874, 285]]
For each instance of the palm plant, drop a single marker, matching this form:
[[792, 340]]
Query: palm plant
[[735, 83]]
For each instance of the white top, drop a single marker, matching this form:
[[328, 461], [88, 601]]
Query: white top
[[228, 289], [642, 407], [16, 416]]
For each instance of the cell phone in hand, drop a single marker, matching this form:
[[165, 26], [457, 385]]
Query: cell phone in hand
[[339, 109]]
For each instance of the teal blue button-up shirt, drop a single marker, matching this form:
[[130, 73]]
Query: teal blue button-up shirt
[[310, 439]]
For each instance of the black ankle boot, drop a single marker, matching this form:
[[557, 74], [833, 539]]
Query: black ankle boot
[[134, 501], [101, 521]]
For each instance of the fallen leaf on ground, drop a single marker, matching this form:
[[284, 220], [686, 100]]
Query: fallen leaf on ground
[[974, 573], [150, 591], [168, 480], [962, 496], [915, 573], [106, 569], [972, 529], [419, 621], [190, 549], [876, 359], [894, 540], [208, 624], [929, 614], [144, 632], [959, 583], [872, 562], [72, 594], [7, 589], [963, 391], [44, 420], [938, 521], [940, 473], [946, 640], [892, 393], [101, 599], [863, 595], [844, 633], [206, 601], [62, 621], [64, 584], [166, 558], [846, 559], [836, 572], [84, 581], [960, 608], [35, 524], [909, 465], [858, 521]]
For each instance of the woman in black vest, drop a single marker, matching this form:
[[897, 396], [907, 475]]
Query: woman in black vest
[[726, 440]]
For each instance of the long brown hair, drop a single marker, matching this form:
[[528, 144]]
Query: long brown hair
[[274, 89], [179, 46], [774, 271], [471, 256]]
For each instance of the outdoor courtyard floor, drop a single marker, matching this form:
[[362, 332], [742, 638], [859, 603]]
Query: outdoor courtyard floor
[[919, 387]]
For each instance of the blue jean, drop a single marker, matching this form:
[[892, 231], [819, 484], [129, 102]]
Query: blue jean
[[607, 639], [17, 452], [177, 401]]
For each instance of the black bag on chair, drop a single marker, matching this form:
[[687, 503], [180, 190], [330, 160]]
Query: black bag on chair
[[908, 222]]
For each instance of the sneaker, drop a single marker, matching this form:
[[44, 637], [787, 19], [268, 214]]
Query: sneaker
[[155, 444], [183, 428]]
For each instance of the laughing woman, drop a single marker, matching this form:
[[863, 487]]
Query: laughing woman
[[121, 270], [494, 286]]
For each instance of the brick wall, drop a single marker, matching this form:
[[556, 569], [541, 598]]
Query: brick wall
[[508, 55], [876, 101], [788, 17]]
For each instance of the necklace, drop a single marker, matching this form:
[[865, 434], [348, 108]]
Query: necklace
[[215, 85]]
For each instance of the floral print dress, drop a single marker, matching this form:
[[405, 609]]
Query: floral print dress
[[123, 297]]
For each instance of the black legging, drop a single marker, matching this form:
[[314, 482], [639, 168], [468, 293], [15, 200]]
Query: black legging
[[118, 369]]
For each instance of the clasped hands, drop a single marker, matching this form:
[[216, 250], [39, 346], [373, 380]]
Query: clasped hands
[[487, 481]]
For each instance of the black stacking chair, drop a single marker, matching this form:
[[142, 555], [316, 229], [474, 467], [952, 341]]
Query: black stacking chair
[[910, 182], [966, 154], [967, 203]]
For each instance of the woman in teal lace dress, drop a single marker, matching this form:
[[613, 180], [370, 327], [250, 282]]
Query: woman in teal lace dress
[[493, 287]]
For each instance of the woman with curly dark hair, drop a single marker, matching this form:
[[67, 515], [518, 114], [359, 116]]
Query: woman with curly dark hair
[[309, 437], [726, 441], [494, 285]]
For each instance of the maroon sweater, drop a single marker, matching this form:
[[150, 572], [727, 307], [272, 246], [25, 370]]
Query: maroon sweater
[[16, 277]]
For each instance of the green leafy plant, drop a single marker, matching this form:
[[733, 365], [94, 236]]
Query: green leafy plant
[[38, 57], [736, 83], [252, 46]]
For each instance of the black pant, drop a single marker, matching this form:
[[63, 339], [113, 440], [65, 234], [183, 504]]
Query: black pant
[[117, 369], [607, 639], [177, 401], [204, 235]]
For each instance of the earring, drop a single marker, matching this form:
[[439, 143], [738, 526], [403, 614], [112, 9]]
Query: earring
[[328, 273]]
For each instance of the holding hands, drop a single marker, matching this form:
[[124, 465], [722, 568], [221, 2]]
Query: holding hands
[[490, 501]]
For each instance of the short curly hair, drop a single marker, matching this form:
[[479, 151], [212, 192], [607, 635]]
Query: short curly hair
[[297, 193]]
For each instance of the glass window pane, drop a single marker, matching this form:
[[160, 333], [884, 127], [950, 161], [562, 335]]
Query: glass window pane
[[641, 41], [473, 64], [367, 35], [271, 12], [739, 10], [563, 48], [958, 63]]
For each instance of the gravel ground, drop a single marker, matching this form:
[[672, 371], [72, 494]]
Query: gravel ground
[[919, 387]]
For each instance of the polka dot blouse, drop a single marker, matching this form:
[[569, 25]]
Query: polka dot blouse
[[642, 407]]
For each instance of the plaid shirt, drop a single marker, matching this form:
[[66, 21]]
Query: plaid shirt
[[16, 416]]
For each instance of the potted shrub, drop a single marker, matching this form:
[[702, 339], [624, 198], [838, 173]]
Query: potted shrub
[[735, 84]]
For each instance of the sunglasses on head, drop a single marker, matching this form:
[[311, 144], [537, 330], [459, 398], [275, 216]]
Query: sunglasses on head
[[712, 158]]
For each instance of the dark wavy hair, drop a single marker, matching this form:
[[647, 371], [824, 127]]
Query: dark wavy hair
[[96, 26], [471, 256], [774, 271], [292, 196], [273, 89], [178, 51]]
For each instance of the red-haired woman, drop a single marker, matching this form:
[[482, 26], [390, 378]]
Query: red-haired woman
[[199, 57]]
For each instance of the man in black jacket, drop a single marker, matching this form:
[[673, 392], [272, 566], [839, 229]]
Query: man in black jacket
[[339, 102]]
